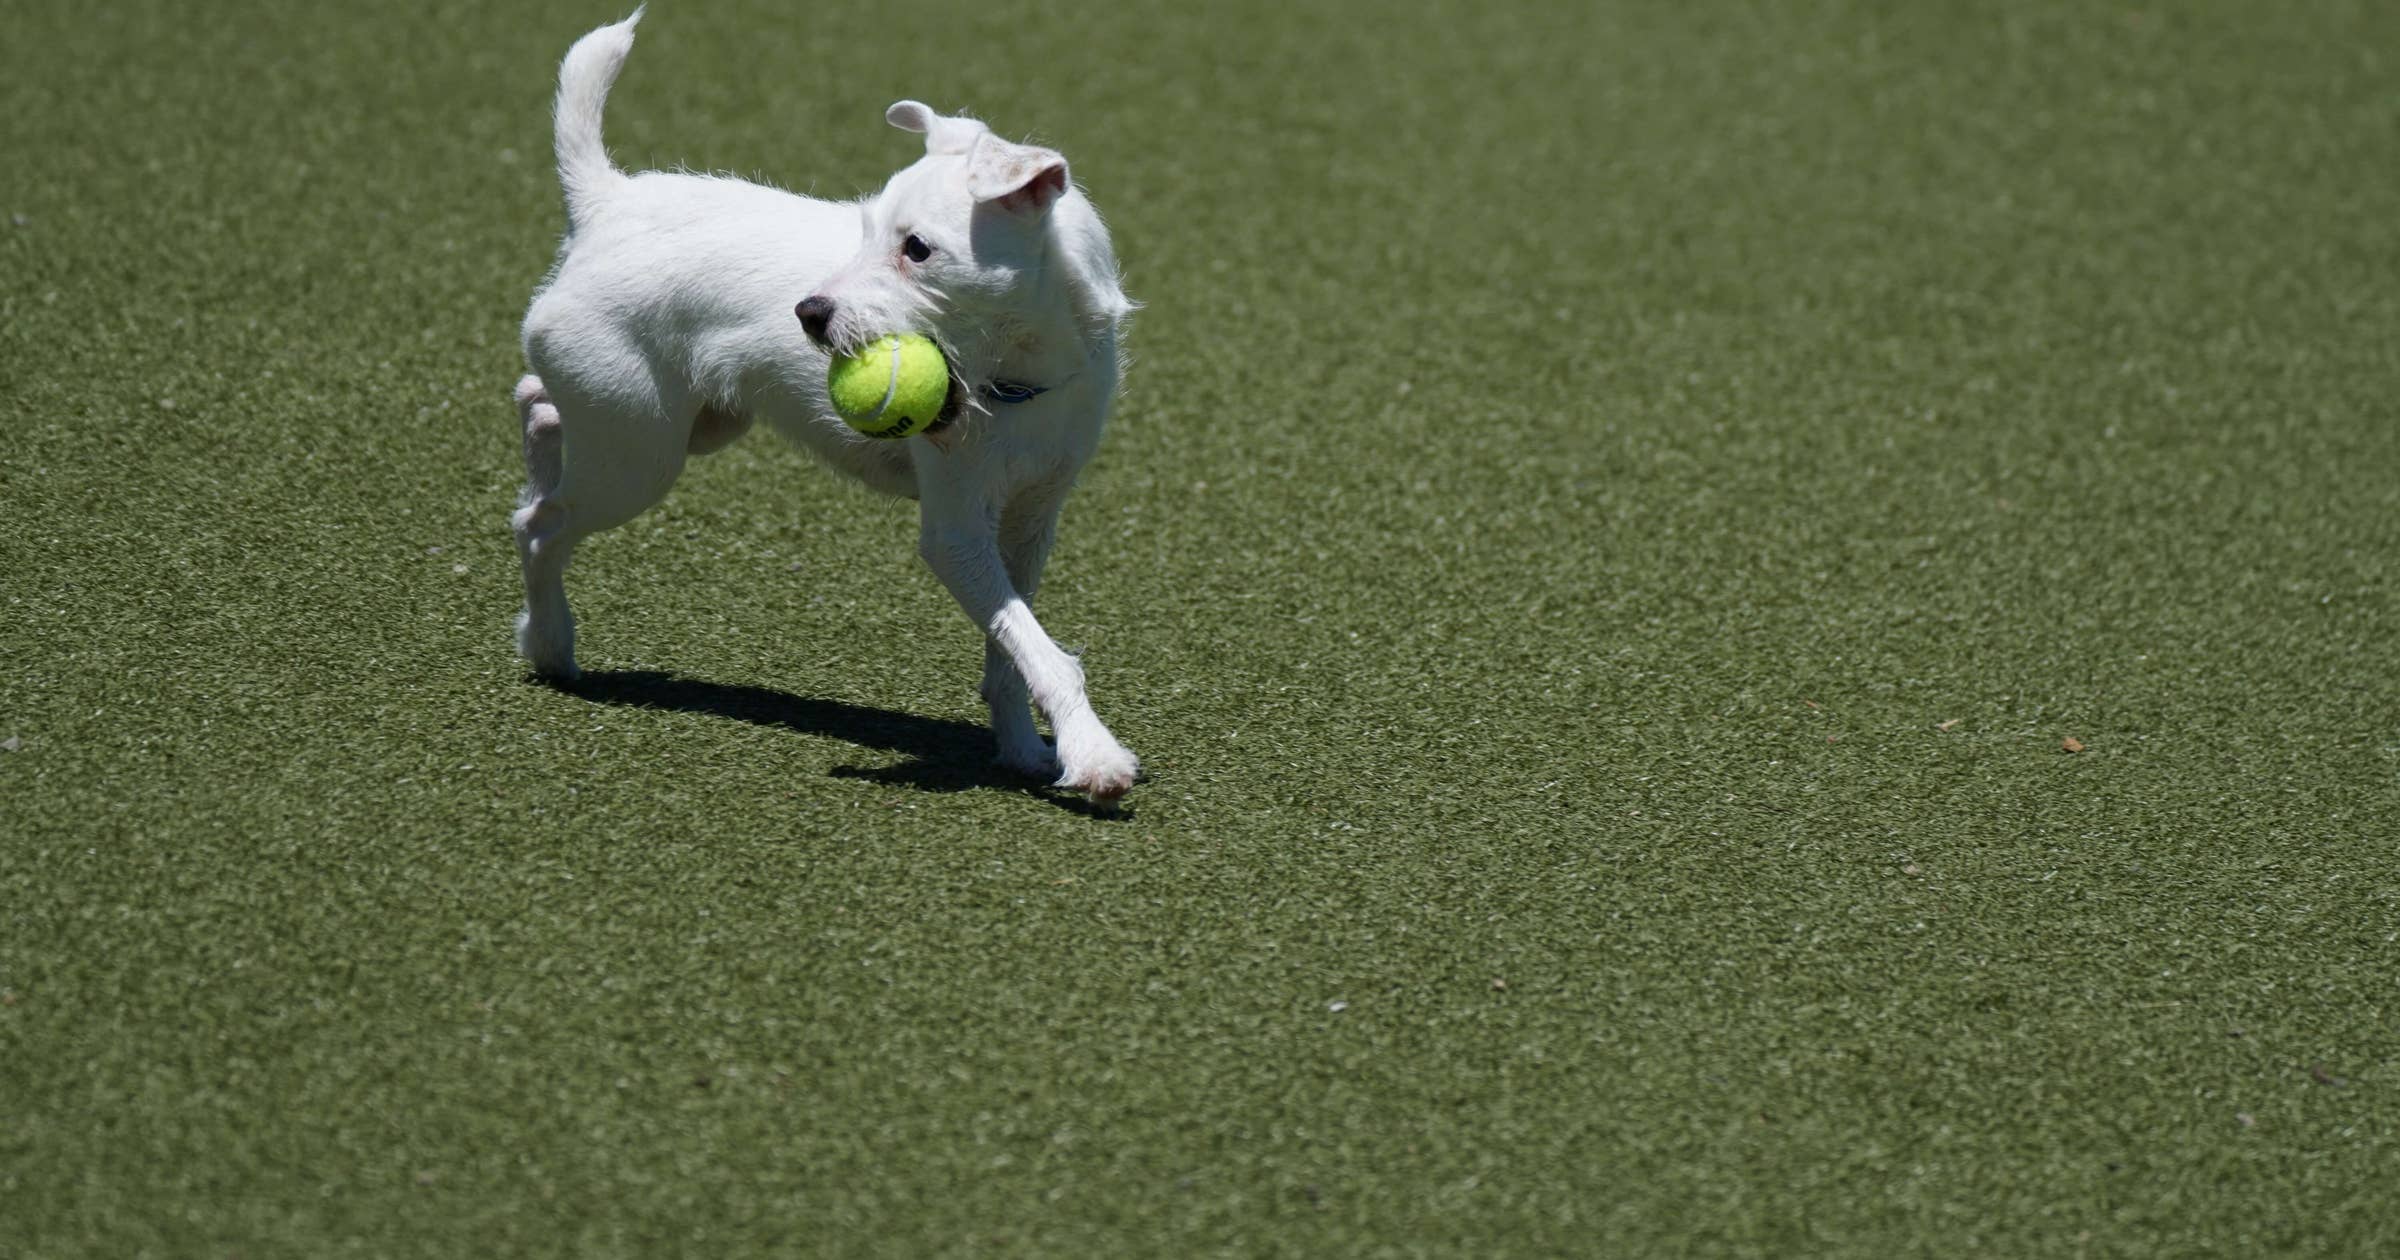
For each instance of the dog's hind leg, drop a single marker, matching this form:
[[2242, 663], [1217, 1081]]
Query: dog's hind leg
[[546, 625], [593, 461]]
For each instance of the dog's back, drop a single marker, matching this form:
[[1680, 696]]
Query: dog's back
[[731, 252]]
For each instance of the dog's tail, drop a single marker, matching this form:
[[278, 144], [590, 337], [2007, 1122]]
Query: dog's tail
[[584, 78]]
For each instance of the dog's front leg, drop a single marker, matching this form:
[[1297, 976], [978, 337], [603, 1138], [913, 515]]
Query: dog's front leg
[[961, 544], [1028, 526]]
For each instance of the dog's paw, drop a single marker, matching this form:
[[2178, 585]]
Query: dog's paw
[[1035, 761], [561, 672], [1102, 774], [549, 648]]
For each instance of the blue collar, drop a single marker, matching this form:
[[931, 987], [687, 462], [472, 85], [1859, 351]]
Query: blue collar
[[1010, 393]]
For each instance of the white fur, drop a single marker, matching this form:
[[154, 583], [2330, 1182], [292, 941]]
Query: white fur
[[668, 325]]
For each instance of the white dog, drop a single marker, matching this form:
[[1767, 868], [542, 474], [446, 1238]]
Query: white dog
[[683, 306]]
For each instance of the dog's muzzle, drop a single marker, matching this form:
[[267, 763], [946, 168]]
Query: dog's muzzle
[[815, 313]]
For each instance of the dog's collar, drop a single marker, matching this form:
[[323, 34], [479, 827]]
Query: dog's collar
[[1010, 393]]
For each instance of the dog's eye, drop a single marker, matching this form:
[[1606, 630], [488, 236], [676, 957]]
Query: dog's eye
[[915, 248]]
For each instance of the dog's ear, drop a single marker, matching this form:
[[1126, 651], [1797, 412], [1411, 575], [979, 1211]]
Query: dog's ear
[[1019, 178], [942, 135]]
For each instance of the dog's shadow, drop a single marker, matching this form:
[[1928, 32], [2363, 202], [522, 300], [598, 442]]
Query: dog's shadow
[[943, 755]]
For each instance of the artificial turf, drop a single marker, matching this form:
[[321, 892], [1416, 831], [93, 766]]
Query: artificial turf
[[1615, 515]]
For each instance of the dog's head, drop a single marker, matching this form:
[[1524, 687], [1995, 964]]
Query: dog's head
[[982, 244]]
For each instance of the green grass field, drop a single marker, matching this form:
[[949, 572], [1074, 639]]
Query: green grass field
[[1615, 514]]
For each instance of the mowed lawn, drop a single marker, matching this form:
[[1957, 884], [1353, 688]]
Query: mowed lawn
[[1620, 520]]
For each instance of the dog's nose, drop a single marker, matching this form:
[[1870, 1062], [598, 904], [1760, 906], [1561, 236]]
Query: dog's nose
[[815, 313]]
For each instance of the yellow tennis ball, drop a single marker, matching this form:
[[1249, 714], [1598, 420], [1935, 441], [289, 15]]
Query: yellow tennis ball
[[892, 388]]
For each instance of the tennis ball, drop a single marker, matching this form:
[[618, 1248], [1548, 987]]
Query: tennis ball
[[893, 388]]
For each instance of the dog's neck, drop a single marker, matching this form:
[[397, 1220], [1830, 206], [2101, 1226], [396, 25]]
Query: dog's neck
[[1045, 355], [1058, 340]]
